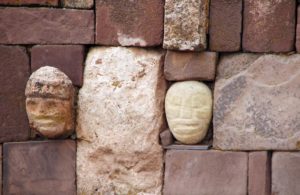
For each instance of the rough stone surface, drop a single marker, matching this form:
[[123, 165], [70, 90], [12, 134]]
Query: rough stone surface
[[129, 23], [269, 25], [190, 66], [44, 168], [205, 172], [298, 30], [166, 138], [30, 2], [67, 58], [188, 108], [14, 72], [46, 26], [77, 3], [1, 159], [185, 24], [285, 173], [225, 25], [259, 173], [120, 115], [50, 102], [256, 102]]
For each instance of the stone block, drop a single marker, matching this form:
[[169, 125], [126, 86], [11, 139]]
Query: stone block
[[129, 23], [67, 58], [83, 4], [298, 30], [40, 167], [259, 173], [166, 138], [205, 172], [14, 73], [186, 24], [256, 102], [119, 118], [46, 26], [269, 25], [190, 66], [285, 173], [30, 2], [225, 25]]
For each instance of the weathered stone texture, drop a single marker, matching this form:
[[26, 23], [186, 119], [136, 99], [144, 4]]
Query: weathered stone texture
[[185, 24], [14, 72], [188, 108], [129, 23], [259, 173], [190, 66], [120, 115], [46, 26], [225, 25], [205, 172], [30, 2], [285, 173], [269, 25], [166, 138], [77, 3], [44, 168], [298, 30], [67, 58], [256, 102]]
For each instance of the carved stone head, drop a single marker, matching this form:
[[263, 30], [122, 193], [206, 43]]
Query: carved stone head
[[49, 102], [188, 107]]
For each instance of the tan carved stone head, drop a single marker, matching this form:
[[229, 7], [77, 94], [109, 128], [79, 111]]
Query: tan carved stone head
[[188, 107], [49, 102]]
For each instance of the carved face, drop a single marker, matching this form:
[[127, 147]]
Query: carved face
[[188, 109], [49, 116]]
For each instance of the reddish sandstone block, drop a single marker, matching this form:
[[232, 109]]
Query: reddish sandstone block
[[67, 58], [129, 23], [190, 65], [46, 26], [14, 73], [298, 30], [225, 25], [205, 172], [285, 173], [46, 167], [259, 173], [269, 25], [30, 2]]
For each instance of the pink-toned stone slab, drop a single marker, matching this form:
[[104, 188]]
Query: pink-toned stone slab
[[14, 73], [285, 173], [39, 167], [205, 172], [67, 58], [259, 173], [256, 102], [46, 26], [30, 2], [269, 25], [129, 23], [225, 25]]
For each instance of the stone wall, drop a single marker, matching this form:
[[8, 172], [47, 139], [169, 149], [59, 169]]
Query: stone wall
[[122, 56]]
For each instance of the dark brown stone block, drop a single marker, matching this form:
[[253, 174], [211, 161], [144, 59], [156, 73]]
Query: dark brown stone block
[[46, 26], [43, 168], [269, 25], [259, 173], [67, 58], [225, 25], [205, 172], [14, 73], [285, 173], [30, 2], [129, 23], [190, 66]]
